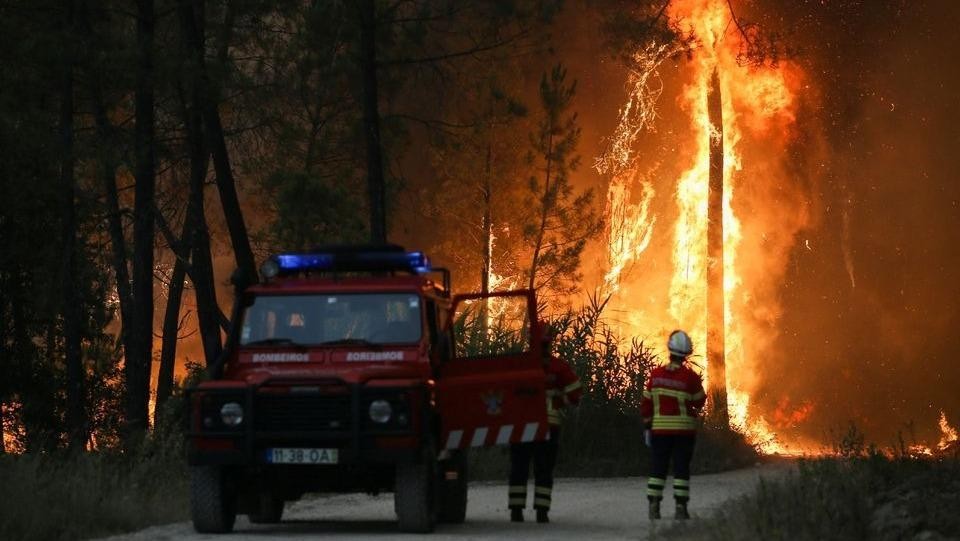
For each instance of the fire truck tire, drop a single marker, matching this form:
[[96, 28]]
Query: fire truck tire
[[213, 504], [270, 509], [414, 497], [452, 497]]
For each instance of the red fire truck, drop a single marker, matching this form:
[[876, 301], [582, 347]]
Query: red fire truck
[[354, 370]]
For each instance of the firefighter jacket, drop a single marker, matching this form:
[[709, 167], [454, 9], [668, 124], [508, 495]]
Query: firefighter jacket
[[672, 400], [563, 388]]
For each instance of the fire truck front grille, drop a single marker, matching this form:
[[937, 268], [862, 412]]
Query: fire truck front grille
[[283, 413]]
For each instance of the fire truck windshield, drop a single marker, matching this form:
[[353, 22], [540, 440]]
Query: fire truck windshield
[[341, 319]]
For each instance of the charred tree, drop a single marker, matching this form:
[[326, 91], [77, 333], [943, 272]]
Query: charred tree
[[138, 358], [201, 262], [107, 170], [196, 235], [716, 325], [487, 191], [171, 334], [376, 185], [192, 17], [71, 310]]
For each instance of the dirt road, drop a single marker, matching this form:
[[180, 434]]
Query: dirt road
[[583, 508]]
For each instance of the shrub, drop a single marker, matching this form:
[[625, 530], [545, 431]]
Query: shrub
[[604, 435], [869, 496], [92, 494]]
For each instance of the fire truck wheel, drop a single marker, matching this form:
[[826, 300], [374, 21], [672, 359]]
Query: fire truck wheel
[[452, 499], [414, 496], [213, 504], [270, 509]]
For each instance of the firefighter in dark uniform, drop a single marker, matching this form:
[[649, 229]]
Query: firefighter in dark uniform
[[563, 389], [672, 401]]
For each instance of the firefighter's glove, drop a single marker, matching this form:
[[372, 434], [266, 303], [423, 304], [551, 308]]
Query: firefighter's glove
[[647, 438]]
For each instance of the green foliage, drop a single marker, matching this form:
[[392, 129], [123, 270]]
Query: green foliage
[[560, 220], [309, 211]]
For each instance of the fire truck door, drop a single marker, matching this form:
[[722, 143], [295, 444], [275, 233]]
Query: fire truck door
[[492, 389]]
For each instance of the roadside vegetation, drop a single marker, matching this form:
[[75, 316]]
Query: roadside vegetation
[[861, 492], [59, 495]]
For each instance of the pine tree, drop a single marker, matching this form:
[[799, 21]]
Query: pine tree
[[562, 218]]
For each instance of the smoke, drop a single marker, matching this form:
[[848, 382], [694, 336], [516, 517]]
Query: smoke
[[869, 315]]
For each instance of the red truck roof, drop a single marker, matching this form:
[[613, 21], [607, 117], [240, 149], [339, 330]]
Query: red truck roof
[[307, 284]]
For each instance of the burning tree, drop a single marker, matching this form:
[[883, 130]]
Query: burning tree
[[730, 94]]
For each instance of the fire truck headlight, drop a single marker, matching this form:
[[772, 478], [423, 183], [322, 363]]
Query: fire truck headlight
[[231, 414], [380, 411]]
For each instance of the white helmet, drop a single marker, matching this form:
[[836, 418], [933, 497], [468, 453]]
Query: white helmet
[[680, 344]]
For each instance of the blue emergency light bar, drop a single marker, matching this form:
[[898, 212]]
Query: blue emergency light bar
[[350, 261]]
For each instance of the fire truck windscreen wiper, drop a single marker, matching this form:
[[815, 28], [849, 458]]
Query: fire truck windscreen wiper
[[349, 342], [279, 341]]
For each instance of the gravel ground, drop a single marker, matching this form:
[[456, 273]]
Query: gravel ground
[[583, 508]]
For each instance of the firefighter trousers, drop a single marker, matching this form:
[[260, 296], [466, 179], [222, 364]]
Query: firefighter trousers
[[665, 448], [544, 456]]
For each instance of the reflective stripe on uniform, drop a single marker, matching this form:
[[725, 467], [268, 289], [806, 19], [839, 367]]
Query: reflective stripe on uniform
[[518, 495], [655, 486], [659, 424], [543, 491], [683, 395], [572, 387], [541, 503]]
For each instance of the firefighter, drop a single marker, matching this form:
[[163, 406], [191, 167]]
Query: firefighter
[[672, 401], [563, 389]]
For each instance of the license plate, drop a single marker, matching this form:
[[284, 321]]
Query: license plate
[[298, 455]]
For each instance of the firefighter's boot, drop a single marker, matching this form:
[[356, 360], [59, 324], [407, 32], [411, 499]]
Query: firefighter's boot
[[654, 509], [543, 516], [516, 514], [682, 513]]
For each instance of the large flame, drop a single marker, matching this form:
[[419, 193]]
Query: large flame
[[950, 437], [757, 104]]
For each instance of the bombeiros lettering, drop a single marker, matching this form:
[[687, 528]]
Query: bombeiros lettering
[[375, 356], [281, 357]]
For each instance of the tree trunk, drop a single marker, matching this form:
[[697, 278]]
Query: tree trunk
[[171, 334], [376, 186], [138, 361], [204, 286], [487, 240], [716, 325], [544, 213], [118, 242], [71, 309], [3, 434], [201, 263], [191, 22], [487, 224]]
